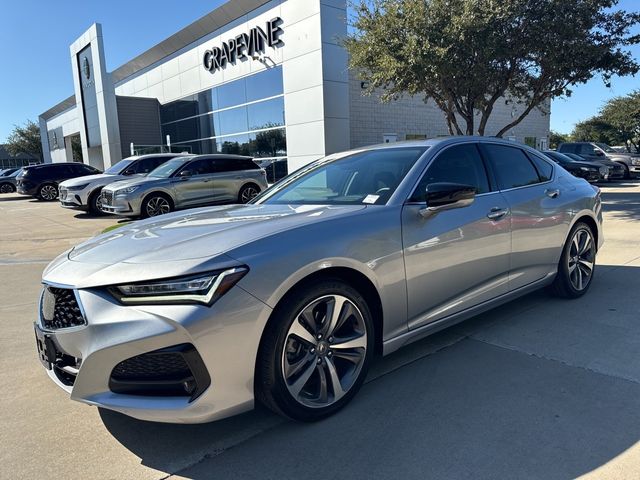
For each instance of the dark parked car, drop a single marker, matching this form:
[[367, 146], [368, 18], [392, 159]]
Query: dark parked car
[[616, 170], [596, 152], [590, 171], [42, 181]]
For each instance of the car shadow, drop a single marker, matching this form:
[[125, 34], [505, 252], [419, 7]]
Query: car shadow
[[622, 204], [450, 406]]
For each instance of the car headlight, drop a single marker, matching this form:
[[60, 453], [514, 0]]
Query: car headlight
[[585, 169], [635, 161], [127, 190], [77, 187], [203, 288]]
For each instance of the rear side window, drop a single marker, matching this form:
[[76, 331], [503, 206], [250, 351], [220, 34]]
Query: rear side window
[[545, 170], [458, 164], [512, 167], [234, 164], [586, 149]]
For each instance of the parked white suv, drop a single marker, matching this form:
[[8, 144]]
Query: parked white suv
[[83, 193]]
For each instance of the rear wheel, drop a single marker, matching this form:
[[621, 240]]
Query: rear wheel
[[248, 192], [7, 188], [48, 192], [577, 263], [156, 204], [315, 352]]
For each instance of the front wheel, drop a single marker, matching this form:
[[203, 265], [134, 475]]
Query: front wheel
[[248, 192], [95, 203], [156, 204], [7, 188], [315, 352], [577, 263], [48, 192]]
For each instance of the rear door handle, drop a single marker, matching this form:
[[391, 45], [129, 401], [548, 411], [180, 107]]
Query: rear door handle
[[496, 213], [552, 192]]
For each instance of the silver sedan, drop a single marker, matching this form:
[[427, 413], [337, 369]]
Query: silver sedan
[[194, 316]]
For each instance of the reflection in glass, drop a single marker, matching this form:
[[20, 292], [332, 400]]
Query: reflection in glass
[[269, 112]]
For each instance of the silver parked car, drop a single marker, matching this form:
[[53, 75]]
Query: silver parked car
[[185, 182], [84, 193], [193, 316]]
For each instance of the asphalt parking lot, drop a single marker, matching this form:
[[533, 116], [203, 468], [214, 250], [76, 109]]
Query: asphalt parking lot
[[539, 388]]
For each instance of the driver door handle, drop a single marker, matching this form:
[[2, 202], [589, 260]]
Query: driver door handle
[[552, 192], [496, 213]]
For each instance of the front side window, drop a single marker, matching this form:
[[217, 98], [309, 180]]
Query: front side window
[[202, 166], [368, 177], [512, 167], [458, 164], [167, 169]]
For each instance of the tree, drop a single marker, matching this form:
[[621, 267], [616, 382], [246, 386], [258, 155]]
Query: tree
[[556, 138], [466, 55], [623, 114], [25, 139], [595, 129]]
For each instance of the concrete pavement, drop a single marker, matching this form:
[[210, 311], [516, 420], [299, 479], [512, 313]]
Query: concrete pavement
[[539, 388]]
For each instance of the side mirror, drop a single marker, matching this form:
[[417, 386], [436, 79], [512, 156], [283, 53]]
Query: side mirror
[[447, 196], [184, 174], [129, 171]]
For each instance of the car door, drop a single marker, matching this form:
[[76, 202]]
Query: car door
[[229, 179], [538, 221], [456, 258], [193, 183]]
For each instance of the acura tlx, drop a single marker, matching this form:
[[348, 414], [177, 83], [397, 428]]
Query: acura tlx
[[196, 315]]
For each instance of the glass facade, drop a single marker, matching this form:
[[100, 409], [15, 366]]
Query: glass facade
[[243, 117]]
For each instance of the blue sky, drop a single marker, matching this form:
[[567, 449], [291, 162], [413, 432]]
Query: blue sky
[[36, 34]]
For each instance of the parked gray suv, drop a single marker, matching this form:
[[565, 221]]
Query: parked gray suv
[[597, 152], [185, 182]]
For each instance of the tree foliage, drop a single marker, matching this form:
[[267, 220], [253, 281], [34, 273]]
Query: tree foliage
[[623, 115], [595, 129], [466, 55], [556, 138], [25, 139]]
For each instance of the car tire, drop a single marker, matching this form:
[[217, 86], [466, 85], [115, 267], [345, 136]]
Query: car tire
[[248, 192], [95, 202], [48, 192], [577, 263], [627, 173], [307, 373], [156, 204], [7, 188]]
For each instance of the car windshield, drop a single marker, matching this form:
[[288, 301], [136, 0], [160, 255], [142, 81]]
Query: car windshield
[[119, 167], [168, 168], [367, 177], [606, 148], [16, 173]]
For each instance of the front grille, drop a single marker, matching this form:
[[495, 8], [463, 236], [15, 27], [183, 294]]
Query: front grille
[[59, 308], [170, 365], [107, 197], [174, 371]]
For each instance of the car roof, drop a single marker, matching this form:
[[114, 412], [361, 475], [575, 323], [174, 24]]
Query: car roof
[[156, 155], [213, 156]]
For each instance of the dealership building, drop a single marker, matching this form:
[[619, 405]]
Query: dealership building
[[268, 79]]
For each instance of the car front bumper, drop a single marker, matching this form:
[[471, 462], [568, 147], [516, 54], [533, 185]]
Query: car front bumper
[[225, 335], [124, 205], [634, 170], [72, 199]]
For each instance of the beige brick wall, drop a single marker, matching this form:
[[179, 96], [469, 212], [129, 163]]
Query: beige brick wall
[[372, 119]]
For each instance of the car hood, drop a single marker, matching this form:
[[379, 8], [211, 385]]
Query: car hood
[[595, 165], [132, 181], [180, 242], [73, 182]]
